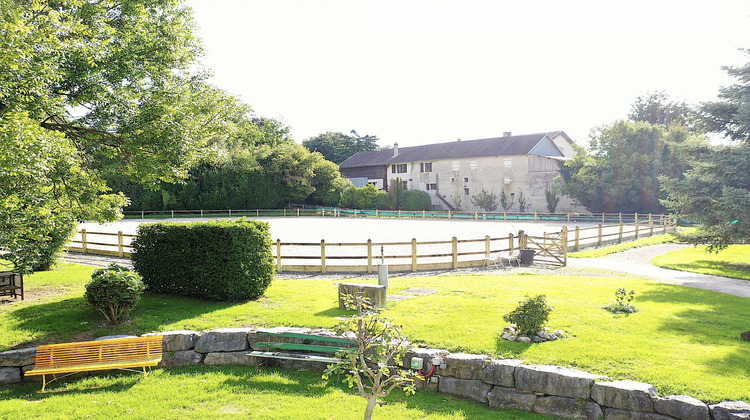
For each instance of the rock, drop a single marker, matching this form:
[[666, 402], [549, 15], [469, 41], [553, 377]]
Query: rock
[[112, 337], [617, 414], [523, 339], [425, 354], [10, 375], [34, 378], [228, 339], [17, 358], [178, 340], [375, 293], [501, 397], [682, 407], [542, 334], [509, 337], [510, 329], [594, 411], [558, 333], [501, 372], [181, 358], [555, 380], [569, 408], [745, 335], [625, 395], [538, 339], [464, 366], [229, 358], [730, 410], [475, 390]]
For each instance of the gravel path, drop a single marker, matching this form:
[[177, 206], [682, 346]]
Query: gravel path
[[635, 261]]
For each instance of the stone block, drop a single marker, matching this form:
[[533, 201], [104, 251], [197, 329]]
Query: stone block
[[227, 339], [229, 358], [730, 410], [682, 407], [181, 358], [10, 375], [501, 372], [473, 389], [569, 408], [35, 378], [17, 358], [375, 293], [617, 414], [555, 380], [425, 354], [625, 395], [464, 366], [177, 340], [501, 397]]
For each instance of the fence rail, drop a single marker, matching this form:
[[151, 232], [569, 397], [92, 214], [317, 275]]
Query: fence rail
[[551, 248]]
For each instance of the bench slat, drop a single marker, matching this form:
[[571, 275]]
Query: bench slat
[[302, 347], [307, 337], [290, 356], [87, 367]]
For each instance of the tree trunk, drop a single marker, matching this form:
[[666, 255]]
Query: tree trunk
[[370, 407]]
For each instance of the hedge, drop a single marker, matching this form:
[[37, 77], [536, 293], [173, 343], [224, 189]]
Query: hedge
[[215, 260]]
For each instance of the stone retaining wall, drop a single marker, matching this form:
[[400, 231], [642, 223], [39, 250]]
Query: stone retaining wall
[[504, 383]]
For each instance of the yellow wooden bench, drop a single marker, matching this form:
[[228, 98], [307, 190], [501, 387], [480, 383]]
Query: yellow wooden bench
[[87, 356]]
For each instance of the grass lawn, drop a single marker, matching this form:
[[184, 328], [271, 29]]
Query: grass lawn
[[228, 391], [734, 261], [607, 250], [683, 340]]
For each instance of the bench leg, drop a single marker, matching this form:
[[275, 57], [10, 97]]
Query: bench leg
[[44, 382]]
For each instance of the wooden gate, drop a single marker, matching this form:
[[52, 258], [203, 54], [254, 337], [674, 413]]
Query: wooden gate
[[550, 249]]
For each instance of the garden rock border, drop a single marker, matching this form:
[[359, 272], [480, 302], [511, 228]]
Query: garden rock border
[[499, 383]]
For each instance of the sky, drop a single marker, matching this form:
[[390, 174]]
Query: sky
[[419, 72]]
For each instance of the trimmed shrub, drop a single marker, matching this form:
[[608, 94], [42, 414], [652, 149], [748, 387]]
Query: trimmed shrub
[[415, 200], [114, 291], [216, 260], [530, 315]]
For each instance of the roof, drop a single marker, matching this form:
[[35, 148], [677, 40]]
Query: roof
[[496, 146]]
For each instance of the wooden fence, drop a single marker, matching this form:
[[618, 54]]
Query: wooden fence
[[550, 249]]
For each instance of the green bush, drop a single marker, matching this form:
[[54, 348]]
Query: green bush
[[216, 260], [415, 200], [530, 315], [382, 201], [114, 291], [621, 304]]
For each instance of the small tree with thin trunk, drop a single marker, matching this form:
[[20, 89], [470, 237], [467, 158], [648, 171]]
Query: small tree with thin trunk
[[521, 202], [504, 201], [374, 365], [486, 200]]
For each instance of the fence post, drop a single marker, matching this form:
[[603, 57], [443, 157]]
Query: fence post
[[486, 247], [230, 212], [454, 245], [599, 242], [83, 241], [201, 213], [424, 214], [120, 251], [376, 213], [142, 215], [535, 215], [564, 238], [650, 225], [663, 225], [620, 217], [476, 216], [399, 213], [278, 256], [324, 212], [284, 212], [521, 240], [297, 212], [602, 217], [173, 214], [577, 236], [505, 216], [369, 255], [568, 215], [449, 214], [322, 255], [619, 237], [510, 243], [413, 254]]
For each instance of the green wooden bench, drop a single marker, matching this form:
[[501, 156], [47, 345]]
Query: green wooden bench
[[320, 348]]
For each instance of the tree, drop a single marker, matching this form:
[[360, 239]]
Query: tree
[[94, 85], [716, 188], [658, 109], [620, 173], [338, 147], [521, 202], [374, 364], [486, 200], [552, 197], [504, 201]]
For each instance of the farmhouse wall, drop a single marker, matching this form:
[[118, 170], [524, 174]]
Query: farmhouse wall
[[503, 383]]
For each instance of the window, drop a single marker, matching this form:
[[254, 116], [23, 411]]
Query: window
[[453, 179], [432, 186], [398, 168], [425, 167], [466, 191], [507, 162], [473, 165], [455, 165], [466, 179]]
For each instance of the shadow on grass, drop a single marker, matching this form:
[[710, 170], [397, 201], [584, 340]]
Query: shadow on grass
[[334, 312], [714, 268]]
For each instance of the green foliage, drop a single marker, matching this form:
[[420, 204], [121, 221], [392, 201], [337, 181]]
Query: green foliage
[[359, 198], [218, 260], [338, 147], [396, 191], [506, 205], [621, 171], [114, 291], [415, 200], [552, 197], [521, 202], [373, 365], [486, 200], [658, 109], [530, 315], [621, 304]]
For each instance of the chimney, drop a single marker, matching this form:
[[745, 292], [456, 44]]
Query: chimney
[[507, 134], [395, 149]]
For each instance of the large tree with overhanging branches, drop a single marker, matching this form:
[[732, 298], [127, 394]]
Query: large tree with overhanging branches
[[88, 85]]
